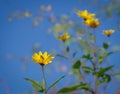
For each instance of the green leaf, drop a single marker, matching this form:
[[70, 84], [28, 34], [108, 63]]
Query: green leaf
[[69, 41], [66, 26], [109, 12], [118, 10], [67, 49], [106, 69], [84, 86], [85, 46], [88, 69], [77, 64], [105, 54], [35, 84], [102, 71], [76, 72], [117, 74], [74, 54], [61, 56], [55, 82], [73, 88], [100, 59], [67, 89], [91, 37], [87, 57], [105, 79], [79, 29], [110, 8], [105, 45]]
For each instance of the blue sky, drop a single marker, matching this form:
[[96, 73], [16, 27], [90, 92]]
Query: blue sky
[[17, 38]]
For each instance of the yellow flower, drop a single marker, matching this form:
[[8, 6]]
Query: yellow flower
[[64, 37], [108, 32], [92, 22], [27, 14], [85, 15], [58, 27], [42, 58]]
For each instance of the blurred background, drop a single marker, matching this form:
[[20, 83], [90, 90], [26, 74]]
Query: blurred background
[[30, 26]]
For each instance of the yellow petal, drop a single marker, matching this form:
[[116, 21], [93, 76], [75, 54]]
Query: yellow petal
[[42, 59], [45, 55], [40, 53], [36, 57], [108, 32]]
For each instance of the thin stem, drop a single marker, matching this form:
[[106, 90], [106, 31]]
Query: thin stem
[[95, 55], [45, 91], [95, 48]]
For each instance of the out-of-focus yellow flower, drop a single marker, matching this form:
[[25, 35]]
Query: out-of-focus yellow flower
[[58, 27], [27, 14], [85, 15], [108, 32], [64, 37], [42, 58], [92, 22]]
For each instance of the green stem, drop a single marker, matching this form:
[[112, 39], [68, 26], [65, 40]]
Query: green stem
[[95, 55], [45, 91]]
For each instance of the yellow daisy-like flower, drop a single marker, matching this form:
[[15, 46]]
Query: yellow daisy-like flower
[[42, 58], [64, 37], [108, 32], [85, 15], [92, 22]]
